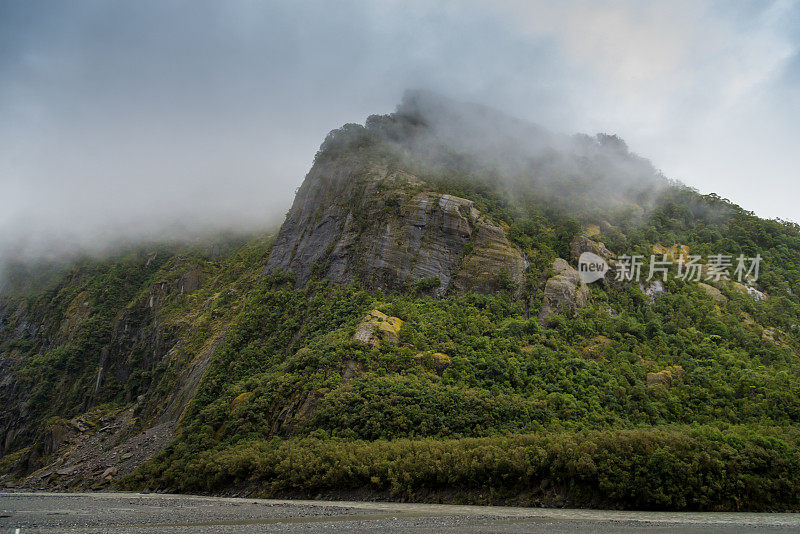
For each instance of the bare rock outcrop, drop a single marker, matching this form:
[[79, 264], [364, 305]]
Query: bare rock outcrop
[[365, 222], [582, 243], [377, 326], [190, 280], [713, 292], [564, 292], [750, 291], [653, 289]]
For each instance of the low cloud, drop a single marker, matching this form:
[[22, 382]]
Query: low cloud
[[152, 119]]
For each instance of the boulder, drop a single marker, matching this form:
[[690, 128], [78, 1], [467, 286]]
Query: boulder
[[377, 326], [109, 473], [564, 292]]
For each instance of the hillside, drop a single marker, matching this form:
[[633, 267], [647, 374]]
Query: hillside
[[417, 329]]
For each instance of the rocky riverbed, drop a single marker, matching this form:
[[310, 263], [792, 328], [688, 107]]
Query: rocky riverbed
[[27, 512]]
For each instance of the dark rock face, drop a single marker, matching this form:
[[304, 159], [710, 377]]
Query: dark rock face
[[190, 281], [382, 227]]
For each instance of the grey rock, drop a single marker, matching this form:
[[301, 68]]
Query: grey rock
[[653, 289], [564, 292], [356, 222], [376, 326]]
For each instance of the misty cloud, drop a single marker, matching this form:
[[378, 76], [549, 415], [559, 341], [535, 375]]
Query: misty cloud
[[148, 119], [436, 133]]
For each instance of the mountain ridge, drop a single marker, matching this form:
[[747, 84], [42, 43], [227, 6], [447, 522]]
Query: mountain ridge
[[417, 330]]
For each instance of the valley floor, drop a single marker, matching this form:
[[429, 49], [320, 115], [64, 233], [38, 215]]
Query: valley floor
[[28, 512]]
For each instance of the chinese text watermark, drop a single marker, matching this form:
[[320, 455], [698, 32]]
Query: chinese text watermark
[[716, 267]]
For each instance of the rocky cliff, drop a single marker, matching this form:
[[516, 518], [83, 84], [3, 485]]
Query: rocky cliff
[[410, 199], [564, 292], [388, 229]]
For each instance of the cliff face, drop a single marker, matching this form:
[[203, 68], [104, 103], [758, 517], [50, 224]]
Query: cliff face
[[57, 368], [96, 371], [387, 229]]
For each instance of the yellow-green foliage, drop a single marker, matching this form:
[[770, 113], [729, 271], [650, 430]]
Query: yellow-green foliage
[[702, 468]]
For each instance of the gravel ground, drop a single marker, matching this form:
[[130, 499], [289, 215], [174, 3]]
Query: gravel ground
[[137, 513]]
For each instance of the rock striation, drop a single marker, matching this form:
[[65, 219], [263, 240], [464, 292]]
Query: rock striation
[[355, 221]]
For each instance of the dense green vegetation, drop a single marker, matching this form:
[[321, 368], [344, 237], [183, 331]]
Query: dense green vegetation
[[509, 376], [673, 401], [695, 468], [508, 373], [96, 332], [59, 377]]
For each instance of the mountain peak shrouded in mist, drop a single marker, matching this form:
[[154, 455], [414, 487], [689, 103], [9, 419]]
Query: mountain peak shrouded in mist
[[405, 197], [394, 251], [437, 139], [433, 133], [424, 299]]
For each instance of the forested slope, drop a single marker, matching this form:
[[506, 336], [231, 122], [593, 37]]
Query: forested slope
[[417, 330]]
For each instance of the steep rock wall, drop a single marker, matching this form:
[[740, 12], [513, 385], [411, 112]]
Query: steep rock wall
[[354, 222]]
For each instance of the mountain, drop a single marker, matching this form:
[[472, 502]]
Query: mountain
[[418, 329]]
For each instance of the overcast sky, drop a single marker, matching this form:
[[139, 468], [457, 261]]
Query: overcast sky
[[127, 118]]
